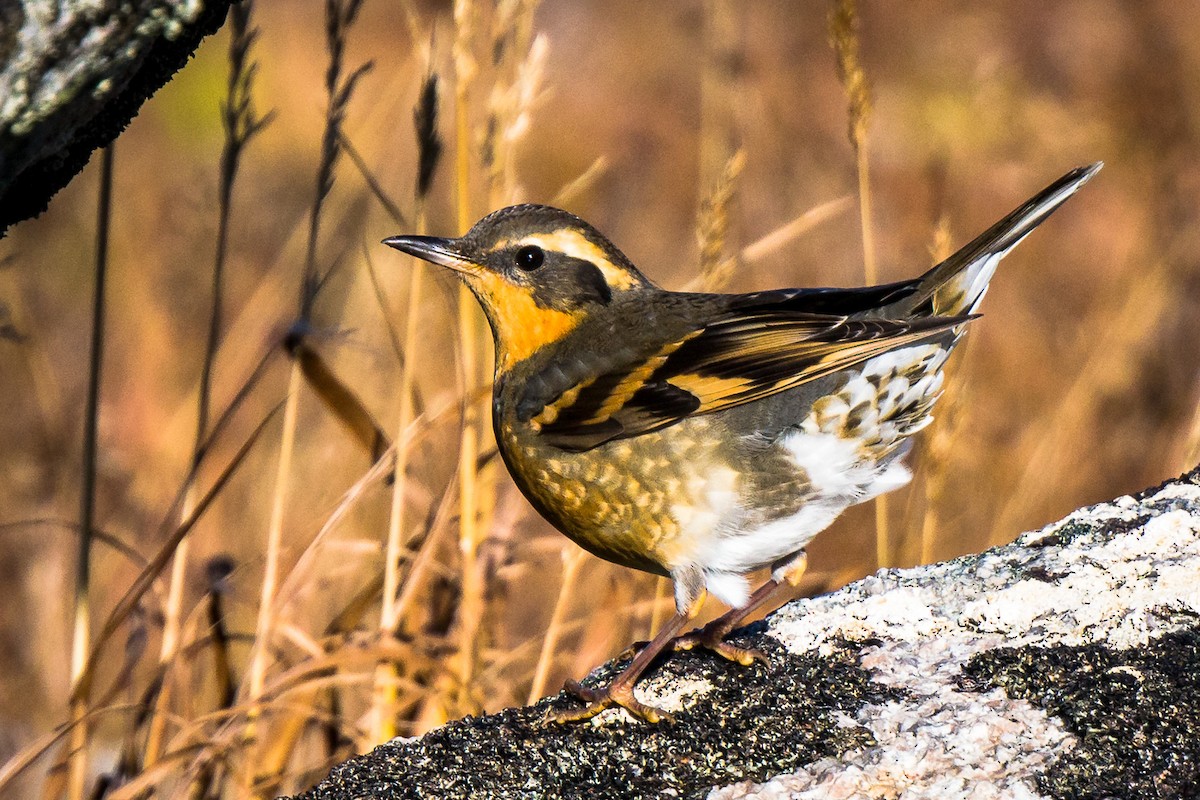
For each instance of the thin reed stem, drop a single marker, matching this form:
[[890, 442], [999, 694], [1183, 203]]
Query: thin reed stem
[[429, 148], [240, 124], [573, 559], [863, 165], [843, 35], [266, 605], [172, 613], [939, 441], [719, 96], [386, 674], [471, 604], [155, 566], [339, 16], [80, 642]]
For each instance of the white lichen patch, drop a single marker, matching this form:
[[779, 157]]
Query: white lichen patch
[[672, 695], [48, 68], [661, 691], [1119, 573]]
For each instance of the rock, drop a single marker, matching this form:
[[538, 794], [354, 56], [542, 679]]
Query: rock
[[72, 76], [1066, 664]]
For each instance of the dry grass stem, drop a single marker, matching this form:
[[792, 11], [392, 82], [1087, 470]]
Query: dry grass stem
[[573, 559], [342, 402], [712, 228], [465, 69], [786, 234], [377, 190], [386, 674], [938, 454], [519, 59], [155, 566], [259, 661], [240, 123], [339, 16], [582, 184], [720, 94], [80, 642], [843, 35], [517, 63], [305, 568]]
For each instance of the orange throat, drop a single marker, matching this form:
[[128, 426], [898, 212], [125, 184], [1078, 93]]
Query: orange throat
[[521, 326]]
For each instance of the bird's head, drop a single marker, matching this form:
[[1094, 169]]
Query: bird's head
[[537, 271]]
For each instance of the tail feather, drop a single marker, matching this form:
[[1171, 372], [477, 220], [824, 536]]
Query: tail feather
[[956, 285]]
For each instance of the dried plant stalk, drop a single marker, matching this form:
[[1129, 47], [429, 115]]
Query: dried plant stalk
[[719, 93], [940, 440], [584, 183], [342, 401], [573, 559], [339, 16], [429, 148], [256, 677], [843, 36], [518, 61], [470, 609], [712, 228], [789, 232], [241, 124], [80, 643]]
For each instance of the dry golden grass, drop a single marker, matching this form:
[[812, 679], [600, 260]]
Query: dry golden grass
[[333, 554]]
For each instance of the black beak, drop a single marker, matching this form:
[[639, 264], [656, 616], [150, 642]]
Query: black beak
[[443, 252]]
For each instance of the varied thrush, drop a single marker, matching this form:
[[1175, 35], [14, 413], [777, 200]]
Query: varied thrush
[[705, 436]]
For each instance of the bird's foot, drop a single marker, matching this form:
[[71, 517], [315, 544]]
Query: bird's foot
[[712, 637], [597, 700]]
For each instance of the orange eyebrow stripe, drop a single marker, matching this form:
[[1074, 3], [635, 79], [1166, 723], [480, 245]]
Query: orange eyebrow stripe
[[576, 245]]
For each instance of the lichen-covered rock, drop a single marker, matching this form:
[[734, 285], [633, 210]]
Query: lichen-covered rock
[[1066, 664], [72, 76]]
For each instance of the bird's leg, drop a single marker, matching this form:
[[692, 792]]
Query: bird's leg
[[712, 636], [620, 691]]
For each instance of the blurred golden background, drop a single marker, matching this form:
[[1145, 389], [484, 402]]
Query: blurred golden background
[[1080, 384]]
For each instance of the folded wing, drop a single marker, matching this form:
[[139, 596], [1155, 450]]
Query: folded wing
[[740, 356]]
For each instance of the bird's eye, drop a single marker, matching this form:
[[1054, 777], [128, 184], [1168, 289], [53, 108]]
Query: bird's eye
[[529, 257]]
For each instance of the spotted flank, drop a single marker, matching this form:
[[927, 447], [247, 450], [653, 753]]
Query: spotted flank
[[847, 450], [881, 406]]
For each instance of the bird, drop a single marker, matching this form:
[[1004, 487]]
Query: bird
[[704, 436]]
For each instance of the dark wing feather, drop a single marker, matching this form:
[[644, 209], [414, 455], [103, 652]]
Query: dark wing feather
[[740, 356]]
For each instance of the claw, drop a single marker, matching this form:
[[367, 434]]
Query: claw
[[598, 700]]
